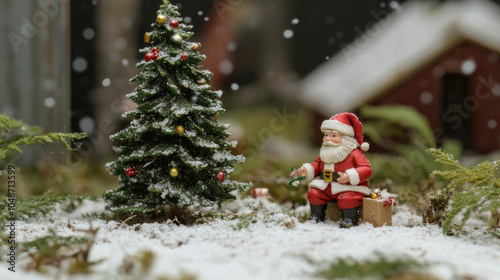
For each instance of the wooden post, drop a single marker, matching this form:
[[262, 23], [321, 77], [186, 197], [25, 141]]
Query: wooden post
[[333, 212]]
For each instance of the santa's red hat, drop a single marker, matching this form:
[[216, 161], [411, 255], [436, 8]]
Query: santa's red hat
[[348, 124]]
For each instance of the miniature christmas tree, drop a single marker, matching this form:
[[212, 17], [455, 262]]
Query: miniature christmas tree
[[174, 151]]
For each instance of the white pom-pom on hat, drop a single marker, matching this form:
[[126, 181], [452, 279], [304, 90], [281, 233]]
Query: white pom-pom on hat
[[365, 146]]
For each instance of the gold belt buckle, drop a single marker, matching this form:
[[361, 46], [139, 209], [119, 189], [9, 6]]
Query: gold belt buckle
[[328, 175]]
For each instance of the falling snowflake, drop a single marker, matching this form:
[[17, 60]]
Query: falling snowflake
[[226, 67], [49, 102], [106, 82], [496, 90], [330, 19], [86, 124], [468, 67], [88, 33], [232, 46], [492, 124], [79, 64], [121, 43], [395, 5], [426, 97]]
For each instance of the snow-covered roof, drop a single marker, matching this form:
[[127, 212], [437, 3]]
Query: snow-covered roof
[[396, 47]]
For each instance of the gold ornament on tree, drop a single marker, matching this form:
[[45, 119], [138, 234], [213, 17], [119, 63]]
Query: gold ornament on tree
[[179, 129], [195, 46], [161, 19], [147, 37], [174, 172]]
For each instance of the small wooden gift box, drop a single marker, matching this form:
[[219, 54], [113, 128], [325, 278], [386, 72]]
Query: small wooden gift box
[[376, 212]]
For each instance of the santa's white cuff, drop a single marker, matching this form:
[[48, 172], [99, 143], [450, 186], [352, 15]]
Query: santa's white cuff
[[353, 176], [310, 171]]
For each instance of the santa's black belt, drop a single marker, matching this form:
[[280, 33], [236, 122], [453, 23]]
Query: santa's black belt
[[329, 175]]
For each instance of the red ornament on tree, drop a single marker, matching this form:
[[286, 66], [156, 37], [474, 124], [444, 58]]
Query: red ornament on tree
[[174, 23], [156, 53], [184, 56], [221, 176], [150, 56], [132, 171]]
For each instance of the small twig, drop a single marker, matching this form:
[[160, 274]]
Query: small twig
[[175, 220], [232, 214], [251, 214], [124, 221]]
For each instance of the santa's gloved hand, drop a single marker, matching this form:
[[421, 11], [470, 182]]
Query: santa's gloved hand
[[298, 172], [344, 178]]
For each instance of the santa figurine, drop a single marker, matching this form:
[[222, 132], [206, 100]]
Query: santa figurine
[[341, 171]]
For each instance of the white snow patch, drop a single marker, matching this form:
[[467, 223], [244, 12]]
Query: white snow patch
[[260, 240]]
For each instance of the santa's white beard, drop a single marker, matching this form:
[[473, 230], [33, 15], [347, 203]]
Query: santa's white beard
[[334, 153]]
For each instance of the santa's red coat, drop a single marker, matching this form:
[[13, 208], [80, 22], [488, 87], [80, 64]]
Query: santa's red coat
[[355, 165]]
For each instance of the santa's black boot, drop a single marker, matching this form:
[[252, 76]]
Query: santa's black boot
[[317, 213], [349, 217]]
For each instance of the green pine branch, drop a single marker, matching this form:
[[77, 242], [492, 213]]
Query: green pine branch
[[481, 188], [15, 133], [37, 206]]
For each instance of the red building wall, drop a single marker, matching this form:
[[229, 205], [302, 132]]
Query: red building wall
[[481, 107]]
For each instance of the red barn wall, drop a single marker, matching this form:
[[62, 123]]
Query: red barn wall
[[423, 91]]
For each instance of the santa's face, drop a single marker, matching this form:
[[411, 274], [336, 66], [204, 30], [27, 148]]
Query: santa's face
[[333, 136], [336, 147]]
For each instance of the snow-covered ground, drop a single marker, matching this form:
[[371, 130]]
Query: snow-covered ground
[[267, 244]]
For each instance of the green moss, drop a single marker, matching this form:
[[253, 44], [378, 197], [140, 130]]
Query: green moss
[[381, 268], [437, 211]]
